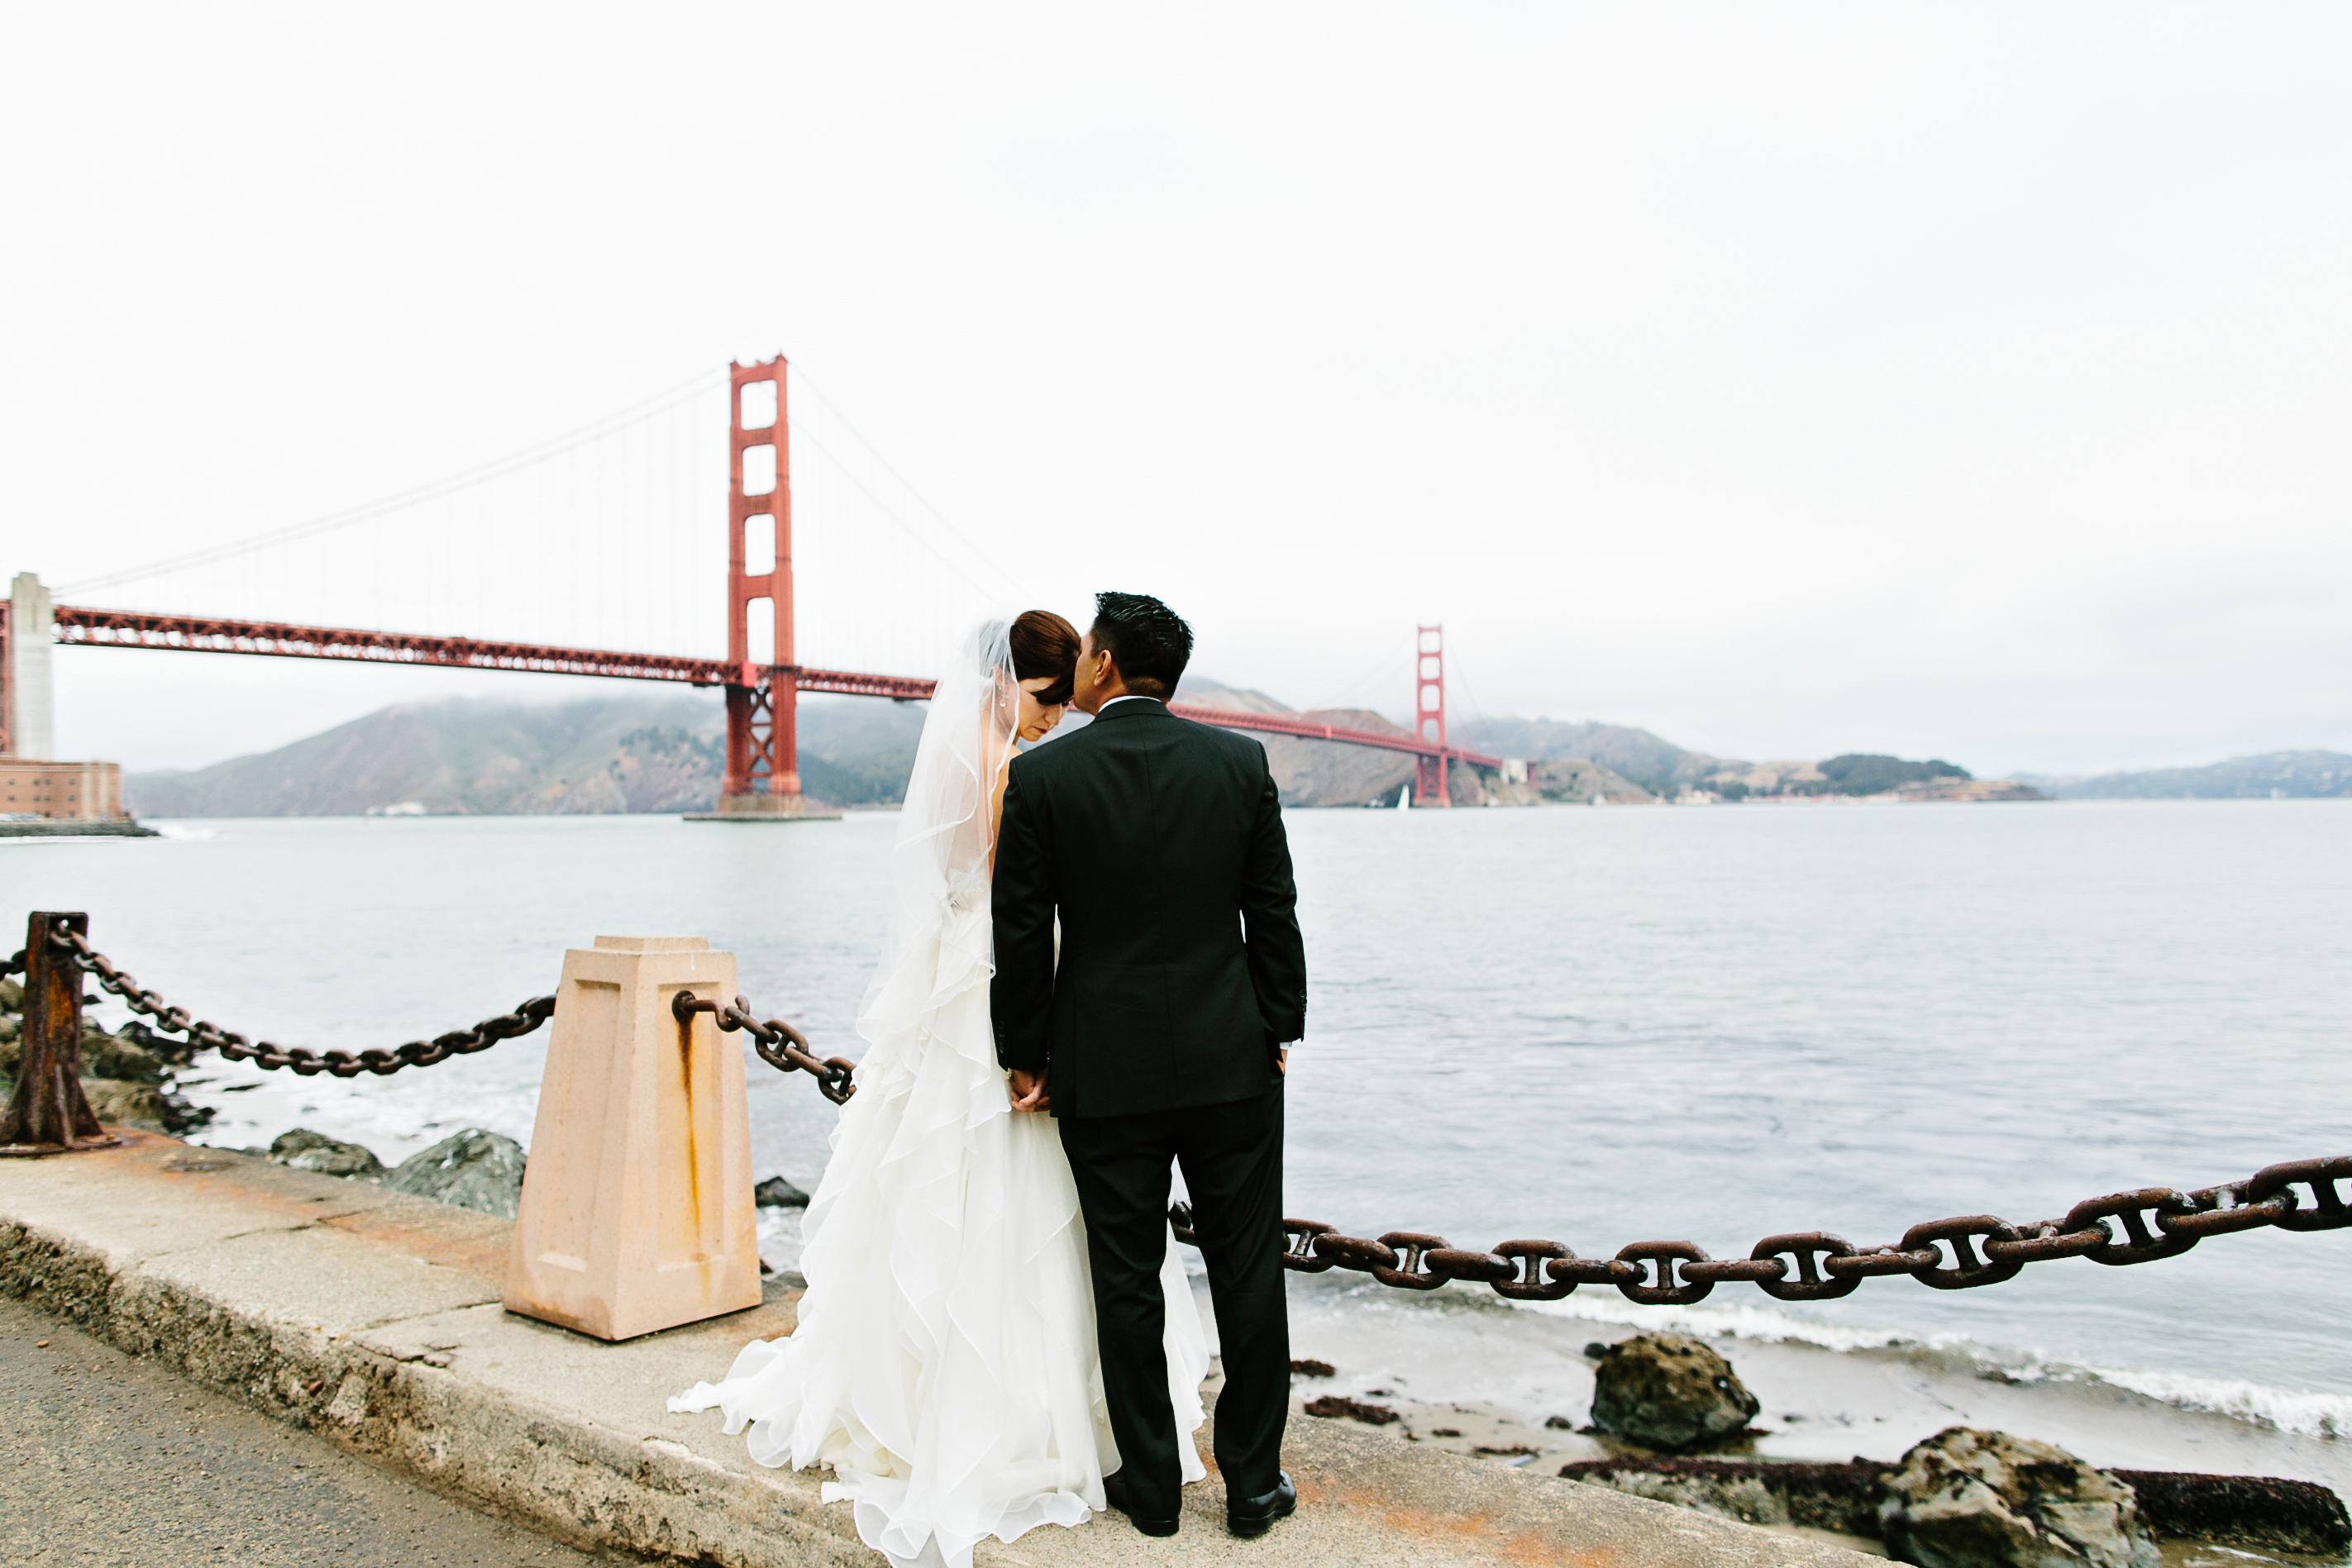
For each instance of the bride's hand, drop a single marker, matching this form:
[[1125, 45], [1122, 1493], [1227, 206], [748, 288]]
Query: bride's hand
[[1028, 1090]]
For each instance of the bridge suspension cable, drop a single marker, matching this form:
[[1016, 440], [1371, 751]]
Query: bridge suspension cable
[[448, 485], [611, 535]]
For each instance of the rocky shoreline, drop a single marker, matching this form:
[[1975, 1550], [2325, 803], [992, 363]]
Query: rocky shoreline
[[1964, 1497]]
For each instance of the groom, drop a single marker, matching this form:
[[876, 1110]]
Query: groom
[[1163, 1035]]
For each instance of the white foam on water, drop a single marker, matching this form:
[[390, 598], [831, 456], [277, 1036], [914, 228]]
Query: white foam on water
[[2301, 1412], [2305, 1413], [1723, 1322]]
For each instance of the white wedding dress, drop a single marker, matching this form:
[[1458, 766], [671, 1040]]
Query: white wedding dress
[[944, 1365]]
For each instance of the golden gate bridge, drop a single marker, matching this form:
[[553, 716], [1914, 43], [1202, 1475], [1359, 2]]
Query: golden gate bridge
[[761, 779]]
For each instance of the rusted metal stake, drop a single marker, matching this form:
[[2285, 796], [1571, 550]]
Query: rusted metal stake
[[49, 1114]]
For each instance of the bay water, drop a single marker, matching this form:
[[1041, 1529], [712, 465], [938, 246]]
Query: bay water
[[1596, 1026]]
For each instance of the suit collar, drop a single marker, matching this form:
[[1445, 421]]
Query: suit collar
[[1123, 709]]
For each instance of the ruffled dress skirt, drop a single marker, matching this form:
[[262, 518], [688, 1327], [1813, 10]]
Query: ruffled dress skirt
[[944, 1365]]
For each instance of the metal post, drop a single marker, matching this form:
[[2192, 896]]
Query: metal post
[[1428, 712], [48, 1115]]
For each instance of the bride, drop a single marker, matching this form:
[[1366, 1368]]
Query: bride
[[944, 1364]]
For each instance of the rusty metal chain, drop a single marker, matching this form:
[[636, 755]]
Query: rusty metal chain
[[12, 964], [305, 1062], [780, 1045], [2118, 1230], [1958, 1254]]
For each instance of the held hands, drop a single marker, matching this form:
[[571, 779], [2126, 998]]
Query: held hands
[[1028, 1090]]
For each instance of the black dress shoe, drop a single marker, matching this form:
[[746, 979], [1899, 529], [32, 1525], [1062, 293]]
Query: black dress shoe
[[1115, 1493], [1256, 1515]]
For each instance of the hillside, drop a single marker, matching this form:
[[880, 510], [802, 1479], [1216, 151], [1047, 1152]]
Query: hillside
[[1316, 772], [1655, 763], [660, 752], [1608, 761], [2296, 774]]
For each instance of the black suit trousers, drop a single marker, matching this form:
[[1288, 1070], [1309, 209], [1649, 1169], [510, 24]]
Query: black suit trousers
[[1232, 1158]]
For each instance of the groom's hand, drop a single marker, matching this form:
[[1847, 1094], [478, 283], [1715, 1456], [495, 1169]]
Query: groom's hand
[[1029, 1092]]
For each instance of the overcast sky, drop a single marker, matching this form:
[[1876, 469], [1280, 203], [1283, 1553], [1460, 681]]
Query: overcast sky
[[1965, 381]]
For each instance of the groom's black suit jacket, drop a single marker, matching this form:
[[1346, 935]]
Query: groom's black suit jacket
[[1159, 840]]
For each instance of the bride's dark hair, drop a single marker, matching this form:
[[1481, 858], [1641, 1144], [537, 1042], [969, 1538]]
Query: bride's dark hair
[[1043, 644]]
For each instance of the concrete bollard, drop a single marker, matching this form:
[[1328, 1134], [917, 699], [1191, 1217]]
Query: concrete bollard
[[636, 1210]]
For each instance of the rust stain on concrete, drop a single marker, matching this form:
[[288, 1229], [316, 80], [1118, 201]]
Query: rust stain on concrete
[[1478, 1532]]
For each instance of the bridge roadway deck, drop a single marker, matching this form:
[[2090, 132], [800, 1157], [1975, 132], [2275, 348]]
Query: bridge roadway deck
[[373, 1320], [81, 625]]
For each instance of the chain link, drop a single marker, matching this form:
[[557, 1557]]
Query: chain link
[[780, 1045], [1958, 1254], [307, 1063]]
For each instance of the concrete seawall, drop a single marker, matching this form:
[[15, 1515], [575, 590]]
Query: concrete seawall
[[373, 1318]]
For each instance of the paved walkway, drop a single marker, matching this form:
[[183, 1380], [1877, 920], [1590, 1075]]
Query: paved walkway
[[109, 1460], [373, 1320]]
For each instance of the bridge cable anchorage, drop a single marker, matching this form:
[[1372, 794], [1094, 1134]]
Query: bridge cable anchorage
[[780, 1045], [203, 1036], [1958, 1254]]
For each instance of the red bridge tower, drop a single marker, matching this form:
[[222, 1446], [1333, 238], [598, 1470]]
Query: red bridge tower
[[762, 764], [1429, 715]]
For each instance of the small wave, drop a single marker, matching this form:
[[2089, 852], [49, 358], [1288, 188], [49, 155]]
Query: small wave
[[1727, 1322], [180, 830], [2300, 1412]]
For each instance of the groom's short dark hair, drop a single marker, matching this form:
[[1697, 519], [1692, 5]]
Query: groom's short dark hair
[[1149, 641]]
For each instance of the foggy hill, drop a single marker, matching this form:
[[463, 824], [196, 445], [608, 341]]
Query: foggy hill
[[662, 751], [1317, 773], [1628, 764], [469, 757], [2297, 774], [1657, 765]]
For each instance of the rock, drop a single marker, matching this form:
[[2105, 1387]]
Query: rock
[[1843, 1498], [1971, 1499], [164, 1048], [473, 1169], [118, 1102], [1331, 1406], [1664, 1391], [777, 1193], [124, 1057], [304, 1150]]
